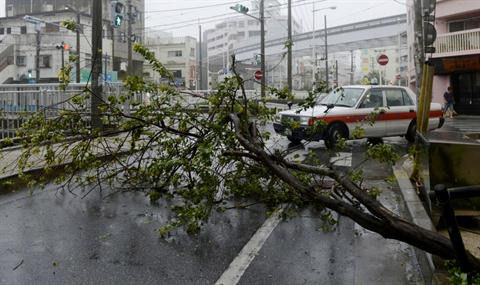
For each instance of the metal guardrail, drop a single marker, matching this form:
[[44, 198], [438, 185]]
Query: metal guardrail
[[443, 196], [19, 100]]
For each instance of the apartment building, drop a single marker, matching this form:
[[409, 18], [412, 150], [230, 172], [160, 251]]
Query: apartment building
[[19, 43], [178, 55]]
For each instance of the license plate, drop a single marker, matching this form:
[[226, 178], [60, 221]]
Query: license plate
[[288, 132]]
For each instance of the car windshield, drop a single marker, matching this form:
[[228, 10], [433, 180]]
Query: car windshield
[[320, 97], [343, 97]]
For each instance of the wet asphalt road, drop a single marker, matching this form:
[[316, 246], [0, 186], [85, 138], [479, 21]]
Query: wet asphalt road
[[54, 237]]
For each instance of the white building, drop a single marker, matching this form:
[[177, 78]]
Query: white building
[[240, 31], [178, 55]]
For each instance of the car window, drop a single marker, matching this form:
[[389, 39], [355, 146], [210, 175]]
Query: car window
[[407, 99], [394, 97], [347, 97], [373, 99]]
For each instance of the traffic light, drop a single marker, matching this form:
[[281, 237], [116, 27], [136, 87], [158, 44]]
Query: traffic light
[[240, 8], [429, 31], [117, 13], [63, 46]]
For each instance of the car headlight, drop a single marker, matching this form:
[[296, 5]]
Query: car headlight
[[304, 120]]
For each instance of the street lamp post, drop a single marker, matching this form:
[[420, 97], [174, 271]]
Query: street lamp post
[[314, 66], [326, 54]]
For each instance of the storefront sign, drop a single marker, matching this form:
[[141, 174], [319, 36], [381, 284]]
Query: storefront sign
[[461, 64]]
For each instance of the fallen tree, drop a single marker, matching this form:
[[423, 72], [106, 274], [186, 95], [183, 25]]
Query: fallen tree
[[205, 160]]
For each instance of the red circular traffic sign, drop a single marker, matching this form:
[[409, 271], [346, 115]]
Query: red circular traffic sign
[[258, 75], [382, 59]]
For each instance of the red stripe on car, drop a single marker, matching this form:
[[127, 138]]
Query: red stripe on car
[[381, 117]]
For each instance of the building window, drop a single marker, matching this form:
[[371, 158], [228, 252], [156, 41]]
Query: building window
[[240, 35], [252, 22], [254, 33], [462, 25], [175, 53], [10, 11], [192, 52], [45, 61], [9, 31], [177, 74], [21, 60], [2, 31], [23, 30], [456, 26], [241, 24]]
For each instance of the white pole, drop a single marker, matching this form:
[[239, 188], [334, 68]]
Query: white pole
[[314, 61]]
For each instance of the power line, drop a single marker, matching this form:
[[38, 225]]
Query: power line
[[222, 17], [195, 8]]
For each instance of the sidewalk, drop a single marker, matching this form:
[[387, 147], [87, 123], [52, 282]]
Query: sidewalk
[[463, 124], [9, 157]]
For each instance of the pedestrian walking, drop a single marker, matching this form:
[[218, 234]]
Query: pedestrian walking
[[449, 102]]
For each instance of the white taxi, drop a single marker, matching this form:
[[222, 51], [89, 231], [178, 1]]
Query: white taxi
[[343, 110]]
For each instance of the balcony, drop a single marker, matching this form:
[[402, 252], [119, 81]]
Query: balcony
[[458, 43]]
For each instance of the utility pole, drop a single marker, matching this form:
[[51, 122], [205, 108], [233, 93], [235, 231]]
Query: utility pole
[[419, 39], [290, 43], [97, 45], [77, 64], [105, 73], [262, 48], [113, 47], [63, 56], [326, 55], [37, 58], [314, 64], [129, 32], [352, 68], [336, 73], [200, 63]]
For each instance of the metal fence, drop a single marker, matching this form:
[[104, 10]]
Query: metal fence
[[17, 101]]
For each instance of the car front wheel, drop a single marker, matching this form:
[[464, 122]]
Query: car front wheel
[[335, 133]]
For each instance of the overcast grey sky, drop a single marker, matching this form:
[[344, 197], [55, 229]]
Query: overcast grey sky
[[168, 15], [181, 19]]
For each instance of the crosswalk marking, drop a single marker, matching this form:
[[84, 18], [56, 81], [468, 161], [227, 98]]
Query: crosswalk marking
[[342, 159]]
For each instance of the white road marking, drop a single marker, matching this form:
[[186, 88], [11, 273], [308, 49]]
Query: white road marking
[[342, 159], [239, 265]]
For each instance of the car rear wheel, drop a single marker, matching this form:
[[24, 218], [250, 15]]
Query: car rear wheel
[[334, 134], [294, 140], [412, 132], [374, 141]]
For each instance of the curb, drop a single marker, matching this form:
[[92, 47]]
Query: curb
[[418, 216]]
